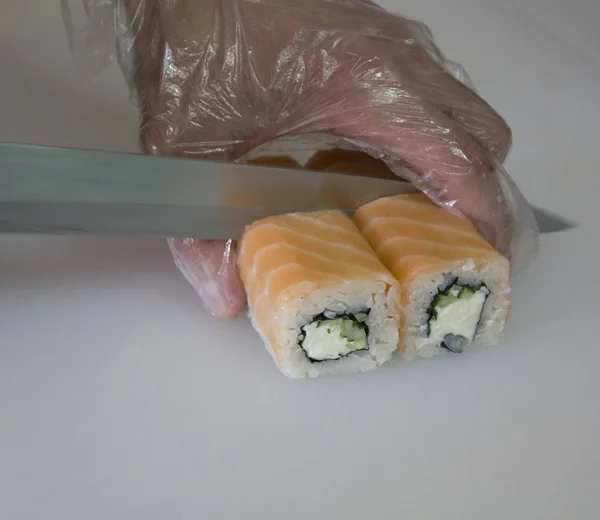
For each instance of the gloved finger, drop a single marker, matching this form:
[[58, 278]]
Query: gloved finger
[[199, 103], [454, 98], [210, 266], [467, 107], [233, 83], [143, 49], [143, 41]]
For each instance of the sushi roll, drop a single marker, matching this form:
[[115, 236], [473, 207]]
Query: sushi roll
[[319, 297], [454, 285]]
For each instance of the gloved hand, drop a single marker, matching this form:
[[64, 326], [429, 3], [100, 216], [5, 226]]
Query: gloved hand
[[216, 78]]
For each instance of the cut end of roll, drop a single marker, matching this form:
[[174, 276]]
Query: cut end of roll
[[288, 346], [454, 310]]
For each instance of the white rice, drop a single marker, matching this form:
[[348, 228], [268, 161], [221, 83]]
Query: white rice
[[494, 275]]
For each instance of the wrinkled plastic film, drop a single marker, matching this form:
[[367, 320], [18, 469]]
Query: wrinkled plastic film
[[210, 267], [221, 79]]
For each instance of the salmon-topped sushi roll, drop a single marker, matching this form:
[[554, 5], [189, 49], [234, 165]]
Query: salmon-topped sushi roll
[[454, 285], [318, 295]]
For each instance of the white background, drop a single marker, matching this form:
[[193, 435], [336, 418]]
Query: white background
[[121, 398]]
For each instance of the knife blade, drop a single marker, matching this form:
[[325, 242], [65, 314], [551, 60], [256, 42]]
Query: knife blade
[[68, 191], [50, 190], [549, 222]]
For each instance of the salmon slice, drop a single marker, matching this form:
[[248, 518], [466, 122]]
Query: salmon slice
[[412, 234], [274, 258]]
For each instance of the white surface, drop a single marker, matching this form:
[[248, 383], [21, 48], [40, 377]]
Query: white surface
[[120, 398]]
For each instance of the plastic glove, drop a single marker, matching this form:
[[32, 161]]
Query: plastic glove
[[217, 78]]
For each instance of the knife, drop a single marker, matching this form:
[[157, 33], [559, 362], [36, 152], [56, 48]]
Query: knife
[[70, 191]]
